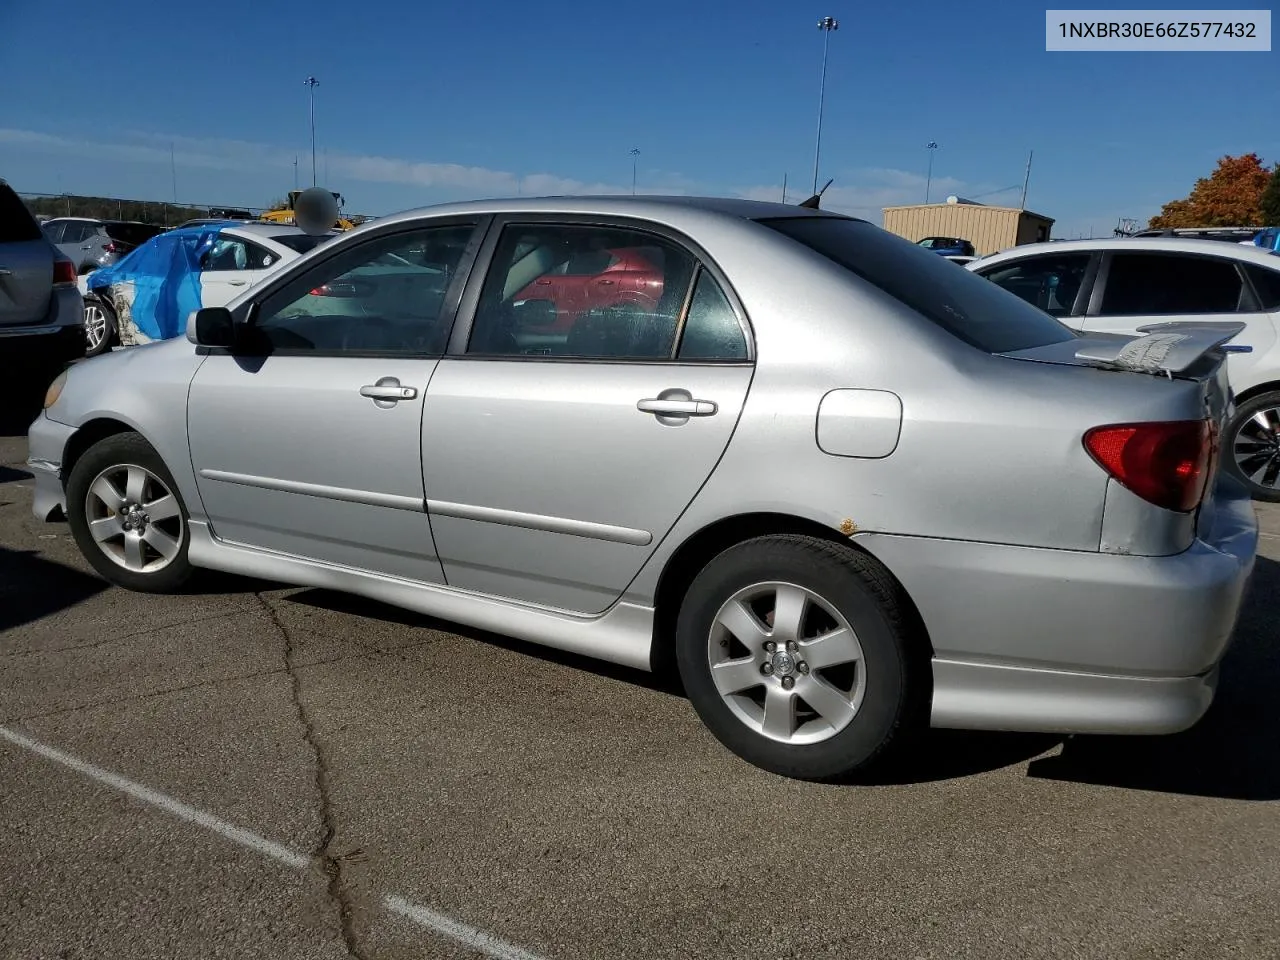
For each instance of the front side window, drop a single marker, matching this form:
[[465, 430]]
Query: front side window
[[1140, 284], [958, 301], [583, 292], [383, 296], [1049, 282]]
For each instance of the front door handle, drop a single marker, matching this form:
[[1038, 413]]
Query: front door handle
[[677, 404], [387, 392], [237, 283]]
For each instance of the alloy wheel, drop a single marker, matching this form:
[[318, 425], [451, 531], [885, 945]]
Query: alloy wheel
[[134, 518], [1256, 448], [95, 326], [786, 663]]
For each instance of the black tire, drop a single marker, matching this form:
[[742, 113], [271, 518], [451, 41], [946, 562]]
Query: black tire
[[1268, 445], [110, 337], [120, 451], [895, 657]]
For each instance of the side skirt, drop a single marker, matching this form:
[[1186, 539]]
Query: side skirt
[[623, 634]]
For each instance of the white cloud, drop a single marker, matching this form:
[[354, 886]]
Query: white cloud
[[242, 155]]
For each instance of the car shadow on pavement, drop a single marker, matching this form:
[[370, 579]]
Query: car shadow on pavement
[[361, 607], [32, 587], [20, 403], [1233, 753]]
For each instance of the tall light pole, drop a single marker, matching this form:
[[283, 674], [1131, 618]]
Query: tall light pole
[[931, 146], [312, 83], [826, 25], [635, 152]]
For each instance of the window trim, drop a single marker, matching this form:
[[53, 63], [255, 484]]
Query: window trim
[[1104, 277], [464, 321], [245, 314]]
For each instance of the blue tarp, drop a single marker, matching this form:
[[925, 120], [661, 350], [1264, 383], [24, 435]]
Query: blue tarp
[[158, 284]]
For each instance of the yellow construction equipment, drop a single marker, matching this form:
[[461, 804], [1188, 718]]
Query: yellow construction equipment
[[286, 215]]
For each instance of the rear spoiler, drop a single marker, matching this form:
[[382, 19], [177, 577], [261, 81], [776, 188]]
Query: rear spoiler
[[1166, 348]]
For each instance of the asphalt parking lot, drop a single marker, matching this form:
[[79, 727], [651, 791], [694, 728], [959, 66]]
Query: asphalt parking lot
[[255, 771]]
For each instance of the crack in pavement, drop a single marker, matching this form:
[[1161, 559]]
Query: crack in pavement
[[332, 865]]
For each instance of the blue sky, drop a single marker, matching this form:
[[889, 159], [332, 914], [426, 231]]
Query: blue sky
[[422, 102]]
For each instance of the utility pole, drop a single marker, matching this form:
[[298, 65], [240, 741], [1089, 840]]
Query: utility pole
[[826, 25], [635, 152], [1027, 180], [311, 83], [173, 169], [295, 171], [931, 146], [784, 188]]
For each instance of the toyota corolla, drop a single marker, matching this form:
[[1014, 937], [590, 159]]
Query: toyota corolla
[[845, 488]]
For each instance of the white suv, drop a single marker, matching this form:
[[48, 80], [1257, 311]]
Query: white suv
[[1124, 283]]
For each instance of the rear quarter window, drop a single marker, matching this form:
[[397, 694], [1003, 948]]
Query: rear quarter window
[[968, 307], [17, 225]]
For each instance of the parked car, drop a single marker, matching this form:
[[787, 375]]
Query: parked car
[[148, 295], [594, 280], [1123, 284], [948, 246], [1227, 234], [1268, 239], [41, 314], [92, 244], [849, 489]]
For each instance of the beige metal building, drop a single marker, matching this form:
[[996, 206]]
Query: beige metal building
[[988, 228]]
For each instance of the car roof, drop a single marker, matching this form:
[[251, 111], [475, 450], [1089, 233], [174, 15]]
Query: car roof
[[660, 208], [1215, 248], [268, 230]]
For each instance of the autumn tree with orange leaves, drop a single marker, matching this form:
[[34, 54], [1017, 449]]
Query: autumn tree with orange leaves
[[1231, 196]]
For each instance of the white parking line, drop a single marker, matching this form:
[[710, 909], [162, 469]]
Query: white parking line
[[477, 940]]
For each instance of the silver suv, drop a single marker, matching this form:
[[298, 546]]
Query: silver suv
[[91, 244], [41, 312]]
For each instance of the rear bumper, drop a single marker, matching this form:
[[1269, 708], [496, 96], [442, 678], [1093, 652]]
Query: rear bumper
[[1066, 641], [46, 442], [59, 338]]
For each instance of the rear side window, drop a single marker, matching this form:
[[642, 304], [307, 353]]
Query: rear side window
[[1168, 283], [16, 222], [300, 242], [1051, 282], [134, 233], [962, 303], [1267, 284]]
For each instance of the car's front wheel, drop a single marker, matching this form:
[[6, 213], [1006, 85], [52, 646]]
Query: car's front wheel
[[1251, 448], [127, 516], [801, 657], [99, 327]]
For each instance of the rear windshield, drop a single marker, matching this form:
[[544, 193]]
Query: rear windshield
[[134, 233], [16, 222], [962, 303], [302, 242]]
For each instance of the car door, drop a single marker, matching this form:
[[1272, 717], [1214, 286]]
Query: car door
[[227, 269], [306, 439], [1140, 287], [75, 233], [1056, 282], [554, 467]]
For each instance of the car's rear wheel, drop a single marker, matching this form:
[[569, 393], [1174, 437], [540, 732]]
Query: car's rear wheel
[[801, 657], [1251, 448], [99, 326], [127, 516]]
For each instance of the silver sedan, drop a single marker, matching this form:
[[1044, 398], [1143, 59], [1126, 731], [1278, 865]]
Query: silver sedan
[[847, 489]]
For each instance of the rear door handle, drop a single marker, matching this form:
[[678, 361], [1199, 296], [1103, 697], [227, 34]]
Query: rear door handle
[[237, 283], [387, 392], [678, 408]]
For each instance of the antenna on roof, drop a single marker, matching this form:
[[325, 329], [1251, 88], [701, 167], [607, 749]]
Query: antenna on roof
[[812, 202]]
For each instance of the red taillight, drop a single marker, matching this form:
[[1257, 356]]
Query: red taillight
[[1166, 463], [110, 247], [321, 291], [64, 271]]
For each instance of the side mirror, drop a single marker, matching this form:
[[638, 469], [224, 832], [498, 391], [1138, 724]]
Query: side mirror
[[211, 327]]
